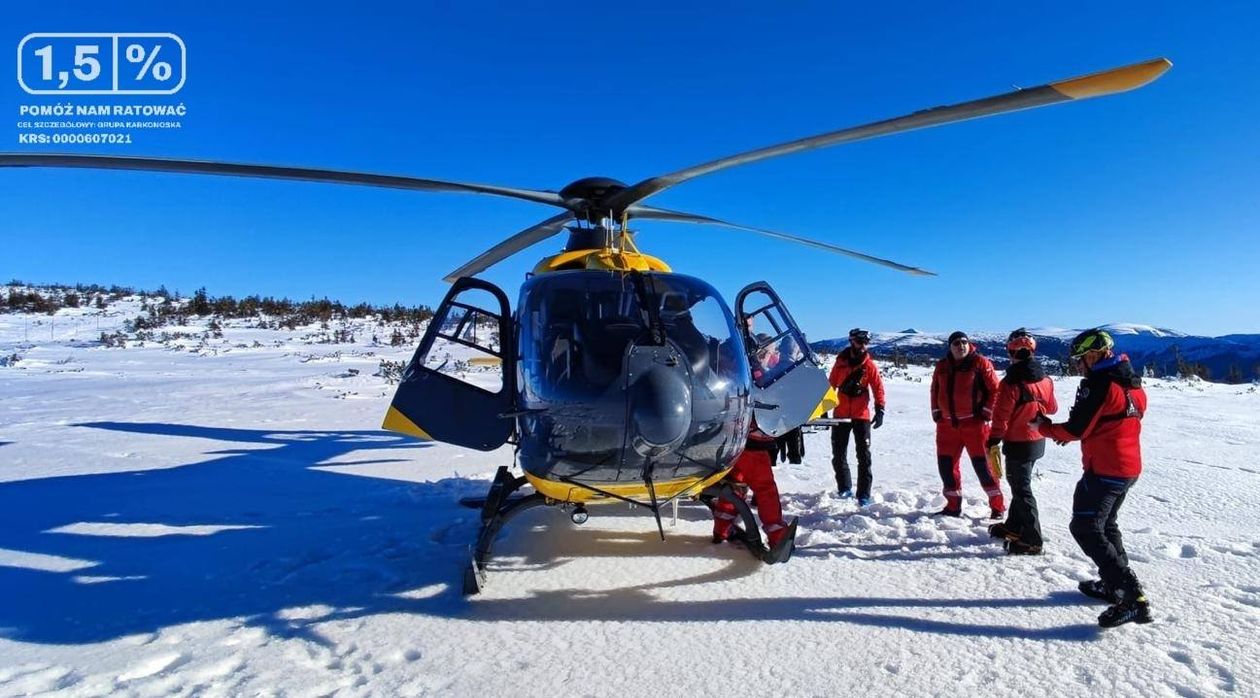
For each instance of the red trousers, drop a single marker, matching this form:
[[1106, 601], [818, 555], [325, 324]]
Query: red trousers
[[970, 434], [752, 468]]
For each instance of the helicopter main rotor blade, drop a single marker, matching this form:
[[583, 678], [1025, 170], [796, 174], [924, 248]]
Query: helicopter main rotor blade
[[659, 214], [1095, 85], [110, 162], [511, 246]]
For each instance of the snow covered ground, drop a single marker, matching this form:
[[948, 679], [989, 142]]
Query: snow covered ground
[[224, 517]]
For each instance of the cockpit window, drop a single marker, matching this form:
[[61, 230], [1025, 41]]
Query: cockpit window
[[577, 327]]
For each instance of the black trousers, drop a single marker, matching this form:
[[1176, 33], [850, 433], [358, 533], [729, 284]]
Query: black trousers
[[1021, 517], [861, 429], [1094, 508]]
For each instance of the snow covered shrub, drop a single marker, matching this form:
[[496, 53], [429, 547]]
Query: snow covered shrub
[[391, 371]]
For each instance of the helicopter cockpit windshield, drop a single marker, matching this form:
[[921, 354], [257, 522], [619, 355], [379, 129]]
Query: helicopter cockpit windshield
[[600, 351]]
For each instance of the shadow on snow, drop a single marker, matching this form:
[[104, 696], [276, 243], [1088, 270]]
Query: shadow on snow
[[308, 536]]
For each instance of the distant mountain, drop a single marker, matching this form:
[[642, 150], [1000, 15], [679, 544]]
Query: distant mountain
[[1231, 358]]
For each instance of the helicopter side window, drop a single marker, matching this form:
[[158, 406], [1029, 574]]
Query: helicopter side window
[[467, 345]]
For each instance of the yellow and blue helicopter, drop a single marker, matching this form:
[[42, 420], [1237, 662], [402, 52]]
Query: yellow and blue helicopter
[[618, 380]]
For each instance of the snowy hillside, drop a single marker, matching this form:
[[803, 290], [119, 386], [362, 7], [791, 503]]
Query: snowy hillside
[[222, 516]]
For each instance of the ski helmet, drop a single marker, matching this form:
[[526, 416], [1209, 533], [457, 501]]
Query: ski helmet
[[861, 335], [1091, 340], [1021, 343]]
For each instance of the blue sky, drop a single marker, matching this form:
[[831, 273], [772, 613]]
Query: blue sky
[[1140, 207]]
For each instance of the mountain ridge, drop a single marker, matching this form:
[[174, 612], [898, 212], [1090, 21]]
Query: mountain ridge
[[1153, 350]]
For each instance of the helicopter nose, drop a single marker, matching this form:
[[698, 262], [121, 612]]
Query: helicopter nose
[[660, 410]]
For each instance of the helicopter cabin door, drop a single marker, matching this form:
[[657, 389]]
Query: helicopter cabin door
[[788, 379], [460, 384]]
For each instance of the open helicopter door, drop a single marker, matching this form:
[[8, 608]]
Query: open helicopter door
[[460, 384], [788, 380]]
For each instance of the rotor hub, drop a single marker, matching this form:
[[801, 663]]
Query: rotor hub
[[589, 193]]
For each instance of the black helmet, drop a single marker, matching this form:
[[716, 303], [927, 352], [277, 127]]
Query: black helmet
[[861, 335], [1091, 340]]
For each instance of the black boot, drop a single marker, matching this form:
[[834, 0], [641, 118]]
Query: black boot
[[1001, 530], [1098, 589], [1131, 608], [1019, 547]]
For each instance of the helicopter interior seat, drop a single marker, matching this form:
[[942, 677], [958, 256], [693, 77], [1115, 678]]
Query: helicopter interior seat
[[562, 350], [561, 341], [604, 343]]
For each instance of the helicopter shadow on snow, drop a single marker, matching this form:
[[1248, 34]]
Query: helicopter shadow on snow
[[265, 526], [261, 524]]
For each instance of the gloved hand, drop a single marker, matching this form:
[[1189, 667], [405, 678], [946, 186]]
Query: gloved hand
[[879, 418], [995, 460], [936, 415], [988, 445]]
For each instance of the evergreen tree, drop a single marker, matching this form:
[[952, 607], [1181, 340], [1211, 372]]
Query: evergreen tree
[[200, 304], [1235, 374]]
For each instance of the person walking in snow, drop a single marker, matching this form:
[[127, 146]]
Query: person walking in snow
[[964, 387], [1024, 393], [855, 377], [1107, 419]]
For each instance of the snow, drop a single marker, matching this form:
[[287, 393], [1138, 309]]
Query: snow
[[224, 517]]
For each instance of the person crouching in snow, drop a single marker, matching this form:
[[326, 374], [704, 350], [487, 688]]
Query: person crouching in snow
[[1107, 419], [855, 376], [753, 469], [964, 387], [1024, 393]]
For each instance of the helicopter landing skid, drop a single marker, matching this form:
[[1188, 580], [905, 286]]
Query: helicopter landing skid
[[497, 508], [746, 532]]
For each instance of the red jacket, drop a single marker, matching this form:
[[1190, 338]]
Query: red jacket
[[963, 389], [1107, 418], [854, 378], [1025, 392]]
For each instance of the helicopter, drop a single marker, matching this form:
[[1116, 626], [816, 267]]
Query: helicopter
[[618, 380]]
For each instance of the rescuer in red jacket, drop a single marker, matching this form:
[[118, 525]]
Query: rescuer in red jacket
[[1107, 419], [855, 377], [1024, 393], [753, 469], [964, 388]]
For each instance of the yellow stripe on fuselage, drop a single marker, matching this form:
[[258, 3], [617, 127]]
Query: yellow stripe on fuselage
[[564, 492]]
